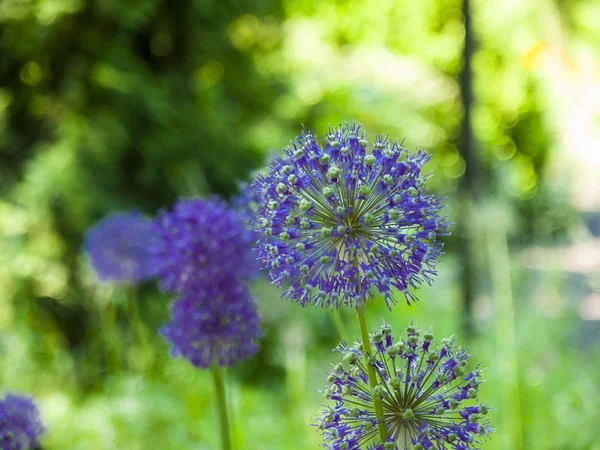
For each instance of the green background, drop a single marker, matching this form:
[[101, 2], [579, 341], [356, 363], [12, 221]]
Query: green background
[[112, 105]]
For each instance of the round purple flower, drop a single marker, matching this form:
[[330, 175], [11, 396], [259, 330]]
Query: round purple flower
[[342, 216], [20, 425], [216, 323], [118, 247], [201, 241], [430, 400]]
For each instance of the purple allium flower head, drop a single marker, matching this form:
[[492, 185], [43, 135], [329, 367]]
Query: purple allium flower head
[[20, 425], [430, 400], [216, 323], [343, 216], [118, 247], [201, 241]]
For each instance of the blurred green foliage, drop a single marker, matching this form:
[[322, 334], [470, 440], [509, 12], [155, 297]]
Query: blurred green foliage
[[113, 105]]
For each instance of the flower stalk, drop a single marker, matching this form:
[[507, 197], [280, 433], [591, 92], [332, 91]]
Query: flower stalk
[[371, 373], [217, 376]]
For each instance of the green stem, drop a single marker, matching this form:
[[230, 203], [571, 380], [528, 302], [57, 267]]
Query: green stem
[[222, 406], [371, 373]]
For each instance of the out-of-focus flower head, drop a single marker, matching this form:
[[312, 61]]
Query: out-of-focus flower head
[[217, 323], [199, 242], [341, 216], [118, 247], [429, 398], [20, 425]]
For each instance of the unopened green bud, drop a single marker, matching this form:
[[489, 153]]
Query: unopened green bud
[[344, 151], [395, 382], [335, 144], [287, 169], [324, 159], [452, 437], [412, 191], [347, 390], [369, 160], [273, 205], [484, 409], [292, 179], [439, 411], [304, 205], [443, 378], [388, 179], [397, 199], [366, 425], [304, 224], [340, 210], [392, 351], [334, 172], [298, 153], [433, 357], [408, 414], [394, 214], [459, 371], [350, 357], [363, 191], [289, 260], [354, 412], [378, 391], [331, 378], [472, 393], [289, 220], [328, 191], [281, 188], [284, 235], [324, 259], [341, 229], [418, 447], [326, 231], [453, 403], [363, 142], [428, 336], [369, 218]]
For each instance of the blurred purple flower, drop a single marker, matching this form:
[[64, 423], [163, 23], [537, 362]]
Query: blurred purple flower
[[215, 323], [118, 247], [200, 242], [20, 425]]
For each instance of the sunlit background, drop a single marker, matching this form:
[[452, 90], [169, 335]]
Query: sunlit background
[[111, 105]]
